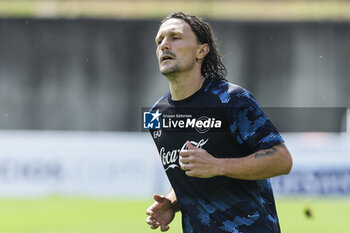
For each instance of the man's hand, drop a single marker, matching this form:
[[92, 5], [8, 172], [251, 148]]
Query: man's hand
[[161, 213], [198, 162]]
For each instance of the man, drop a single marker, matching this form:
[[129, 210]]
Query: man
[[216, 145]]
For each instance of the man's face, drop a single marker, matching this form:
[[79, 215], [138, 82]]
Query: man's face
[[176, 47]]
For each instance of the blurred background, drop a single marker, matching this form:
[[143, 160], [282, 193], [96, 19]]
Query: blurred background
[[75, 75]]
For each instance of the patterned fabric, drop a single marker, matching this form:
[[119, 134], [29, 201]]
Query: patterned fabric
[[237, 127]]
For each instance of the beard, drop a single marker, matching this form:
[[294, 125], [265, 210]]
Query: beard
[[173, 71]]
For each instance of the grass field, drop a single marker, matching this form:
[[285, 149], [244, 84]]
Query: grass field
[[69, 215]]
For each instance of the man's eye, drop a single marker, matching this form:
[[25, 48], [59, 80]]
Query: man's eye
[[176, 38]]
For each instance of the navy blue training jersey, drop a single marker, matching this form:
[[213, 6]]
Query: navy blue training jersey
[[226, 121]]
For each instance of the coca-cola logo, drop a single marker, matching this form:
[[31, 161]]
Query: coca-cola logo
[[170, 159]]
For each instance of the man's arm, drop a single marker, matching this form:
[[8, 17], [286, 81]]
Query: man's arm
[[257, 166], [172, 197]]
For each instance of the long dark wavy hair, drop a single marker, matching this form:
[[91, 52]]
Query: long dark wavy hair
[[212, 66]]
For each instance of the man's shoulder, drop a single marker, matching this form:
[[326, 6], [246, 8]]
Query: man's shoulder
[[225, 91], [161, 101]]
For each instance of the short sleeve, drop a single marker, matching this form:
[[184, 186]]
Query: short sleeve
[[250, 125]]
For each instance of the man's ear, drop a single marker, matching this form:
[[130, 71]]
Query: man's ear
[[202, 51]]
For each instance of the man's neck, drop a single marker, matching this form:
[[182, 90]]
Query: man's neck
[[184, 86]]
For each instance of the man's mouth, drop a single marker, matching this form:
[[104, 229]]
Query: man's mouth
[[165, 58]]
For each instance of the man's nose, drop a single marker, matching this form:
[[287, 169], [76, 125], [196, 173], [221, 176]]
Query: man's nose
[[165, 44]]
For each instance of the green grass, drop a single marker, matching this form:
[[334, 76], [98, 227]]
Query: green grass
[[77, 215], [328, 215], [69, 215]]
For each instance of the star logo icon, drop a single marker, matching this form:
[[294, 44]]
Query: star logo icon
[[156, 115]]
